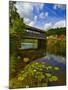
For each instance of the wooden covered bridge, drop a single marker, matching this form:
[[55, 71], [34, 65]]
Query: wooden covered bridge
[[39, 50]]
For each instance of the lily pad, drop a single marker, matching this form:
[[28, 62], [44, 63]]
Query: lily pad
[[48, 74], [56, 68], [53, 78]]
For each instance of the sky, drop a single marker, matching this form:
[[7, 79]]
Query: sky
[[42, 15]]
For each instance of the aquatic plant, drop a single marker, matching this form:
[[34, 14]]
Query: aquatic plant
[[56, 68], [36, 74], [53, 78], [39, 74]]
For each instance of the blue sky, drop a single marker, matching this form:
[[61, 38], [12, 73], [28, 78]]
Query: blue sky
[[42, 15]]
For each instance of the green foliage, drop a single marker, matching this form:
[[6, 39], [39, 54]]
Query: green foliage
[[16, 32], [56, 68], [36, 69], [55, 46], [37, 74], [49, 67], [48, 75], [40, 76], [53, 78], [12, 60], [16, 22], [56, 31], [12, 65]]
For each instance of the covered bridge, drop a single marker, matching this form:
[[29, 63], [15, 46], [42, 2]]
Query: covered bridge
[[33, 45]]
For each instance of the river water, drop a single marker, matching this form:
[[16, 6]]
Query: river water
[[28, 45], [54, 60]]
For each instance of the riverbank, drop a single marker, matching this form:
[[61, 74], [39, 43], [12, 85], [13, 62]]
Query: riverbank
[[56, 46]]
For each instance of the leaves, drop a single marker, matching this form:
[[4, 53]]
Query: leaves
[[56, 45], [20, 78], [49, 67], [48, 75], [35, 74], [53, 78], [40, 77], [16, 32], [56, 68], [35, 70], [56, 31]]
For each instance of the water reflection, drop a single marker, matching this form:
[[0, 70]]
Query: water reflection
[[28, 45]]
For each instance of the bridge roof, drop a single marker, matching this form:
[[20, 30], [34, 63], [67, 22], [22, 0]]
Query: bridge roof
[[32, 32], [34, 29]]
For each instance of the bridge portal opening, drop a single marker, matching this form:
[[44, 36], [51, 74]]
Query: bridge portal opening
[[29, 44]]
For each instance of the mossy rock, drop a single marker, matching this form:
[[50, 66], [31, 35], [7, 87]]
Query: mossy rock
[[26, 59]]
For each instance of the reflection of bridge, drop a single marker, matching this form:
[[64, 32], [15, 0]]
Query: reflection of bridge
[[37, 34]]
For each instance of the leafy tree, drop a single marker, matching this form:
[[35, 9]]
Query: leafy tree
[[56, 31], [16, 32]]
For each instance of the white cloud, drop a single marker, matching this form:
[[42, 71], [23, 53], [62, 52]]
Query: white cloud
[[55, 7], [47, 26], [24, 9], [35, 18], [32, 23], [46, 14], [38, 6], [59, 6], [58, 24], [61, 23], [27, 20], [43, 15]]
